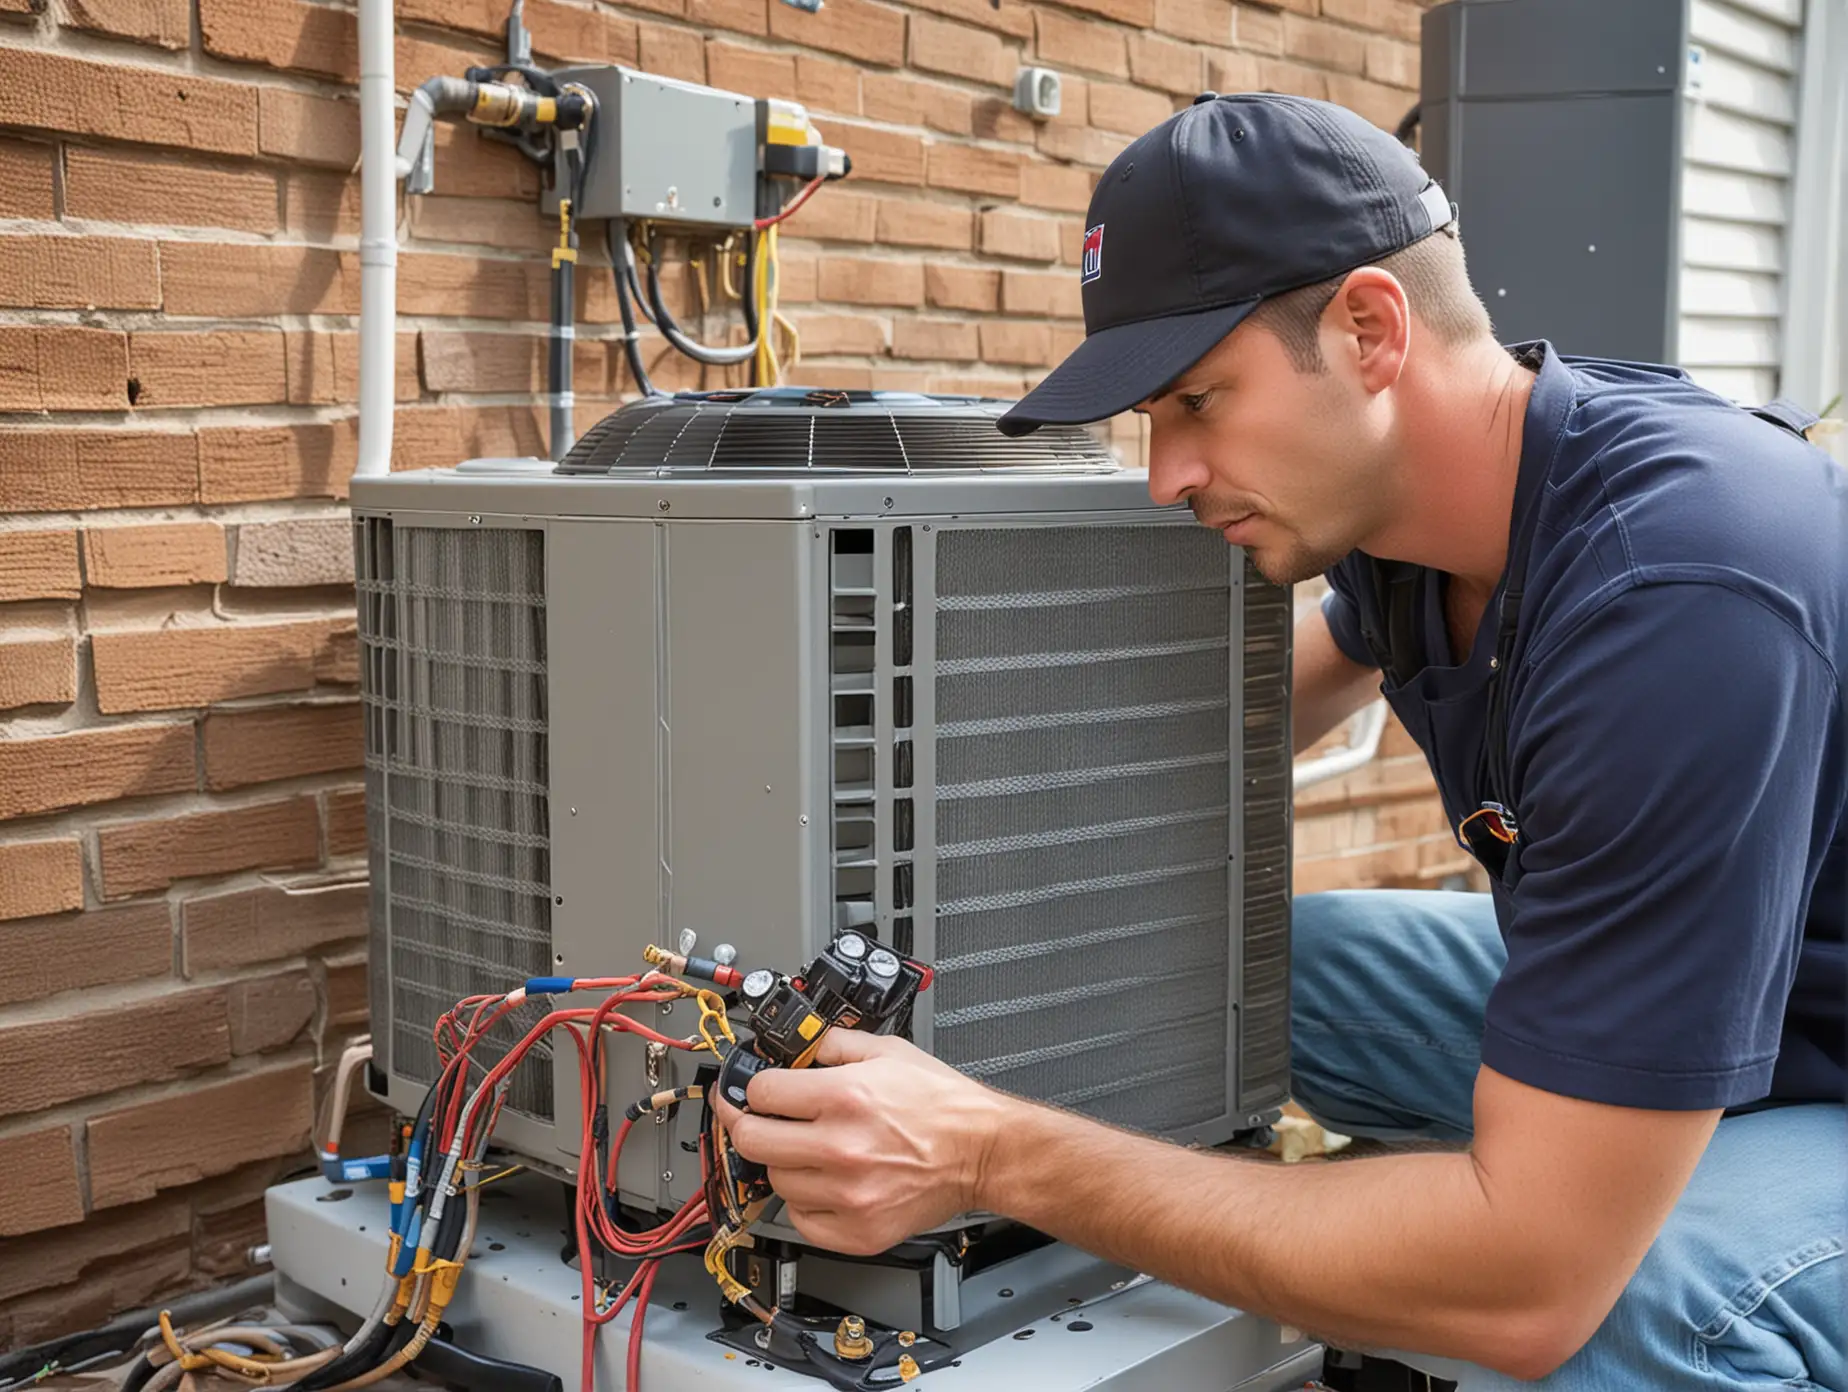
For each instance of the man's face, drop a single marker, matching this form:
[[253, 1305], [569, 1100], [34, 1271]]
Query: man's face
[[1288, 463]]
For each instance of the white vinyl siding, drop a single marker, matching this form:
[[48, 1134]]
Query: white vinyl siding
[[1739, 158]]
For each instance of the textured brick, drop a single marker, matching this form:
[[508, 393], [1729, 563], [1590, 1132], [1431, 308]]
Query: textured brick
[[1199, 21], [1005, 16], [166, 669], [880, 156], [1027, 344], [45, 1062], [431, 436], [994, 118], [974, 384], [336, 661], [259, 746], [1131, 110], [940, 46], [1019, 235], [51, 772], [1392, 62], [740, 16], [952, 340], [419, 60], [861, 29], [300, 551], [266, 925], [472, 361], [1399, 18], [59, 1257], [38, 565], [162, 22], [347, 1003], [70, 470], [1137, 14], [439, 283], [1259, 30], [323, 367], [246, 463], [828, 86], [316, 130], [975, 170], [148, 106], [905, 101], [1277, 75], [836, 216], [40, 877], [962, 287], [673, 52], [1065, 40], [47, 272], [346, 822], [62, 368], [1173, 67], [25, 180], [1041, 293], [1235, 72], [269, 1012], [42, 1188], [574, 33], [245, 281], [825, 334], [40, 957], [1067, 140], [149, 557], [37, 671], [125, 1283], [752, 71], [109, 186], [211, 1130], [153, 853], [238, 368], [1384, 106], [1323, 44], [1058, 186], [858, 280], [913, 224]]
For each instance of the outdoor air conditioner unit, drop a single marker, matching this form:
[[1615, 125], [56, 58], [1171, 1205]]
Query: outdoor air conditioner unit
[[763, 665]]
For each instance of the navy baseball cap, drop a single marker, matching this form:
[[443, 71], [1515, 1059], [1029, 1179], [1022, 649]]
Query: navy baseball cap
[[1232, 200]]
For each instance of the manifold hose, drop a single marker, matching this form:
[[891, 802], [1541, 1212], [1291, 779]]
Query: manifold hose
[[671, 331], [621, 266]]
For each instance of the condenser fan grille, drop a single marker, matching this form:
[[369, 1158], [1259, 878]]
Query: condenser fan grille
[[794, 429]]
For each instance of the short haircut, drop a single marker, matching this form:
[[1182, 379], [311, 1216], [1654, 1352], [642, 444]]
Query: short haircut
[[1436, 282]]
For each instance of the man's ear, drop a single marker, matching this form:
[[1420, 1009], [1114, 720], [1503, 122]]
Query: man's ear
[[1371, 320]]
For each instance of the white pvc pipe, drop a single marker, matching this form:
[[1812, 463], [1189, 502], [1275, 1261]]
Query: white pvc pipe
[[378, 239], [1363, 743]]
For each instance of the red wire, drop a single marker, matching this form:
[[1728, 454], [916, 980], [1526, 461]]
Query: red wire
[[808, 192]]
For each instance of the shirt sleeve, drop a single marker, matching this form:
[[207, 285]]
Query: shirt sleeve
[[1667, 755], [1343, 615]]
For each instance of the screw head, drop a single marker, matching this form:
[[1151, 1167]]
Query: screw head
[[667, 1176], [474, 519], [665, 506], [804, 819], [886, 501]]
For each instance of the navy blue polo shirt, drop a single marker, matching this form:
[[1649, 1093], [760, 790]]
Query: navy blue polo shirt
[[1674, 915]]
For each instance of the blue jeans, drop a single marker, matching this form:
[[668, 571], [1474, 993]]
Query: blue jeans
[[1743, 1287]]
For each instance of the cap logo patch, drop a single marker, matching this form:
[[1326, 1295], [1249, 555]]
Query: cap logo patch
[[1092, 263]]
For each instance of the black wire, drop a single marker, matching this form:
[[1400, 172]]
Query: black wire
[[671, 331], [617, 235]]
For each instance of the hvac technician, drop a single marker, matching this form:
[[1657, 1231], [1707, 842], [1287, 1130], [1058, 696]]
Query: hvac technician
[[1640, 1033]]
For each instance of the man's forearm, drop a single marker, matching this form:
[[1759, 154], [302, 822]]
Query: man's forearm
[[1403, 1252]]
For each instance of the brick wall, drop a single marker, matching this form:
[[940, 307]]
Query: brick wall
[[180, 816]]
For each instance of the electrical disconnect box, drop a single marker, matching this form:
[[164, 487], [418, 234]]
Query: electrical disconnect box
[[667, 150]]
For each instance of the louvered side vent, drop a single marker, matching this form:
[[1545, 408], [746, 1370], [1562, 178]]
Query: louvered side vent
[[852, 633], [1082, 689], [453, 676], [1264, 1019]]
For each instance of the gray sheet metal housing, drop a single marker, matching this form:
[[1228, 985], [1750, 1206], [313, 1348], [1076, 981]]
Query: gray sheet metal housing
[[1033, 729]]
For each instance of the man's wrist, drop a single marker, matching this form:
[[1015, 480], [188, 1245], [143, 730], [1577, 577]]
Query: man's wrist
[[1015, 1133]]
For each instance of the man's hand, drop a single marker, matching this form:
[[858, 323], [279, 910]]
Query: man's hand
[[883, 1144]]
